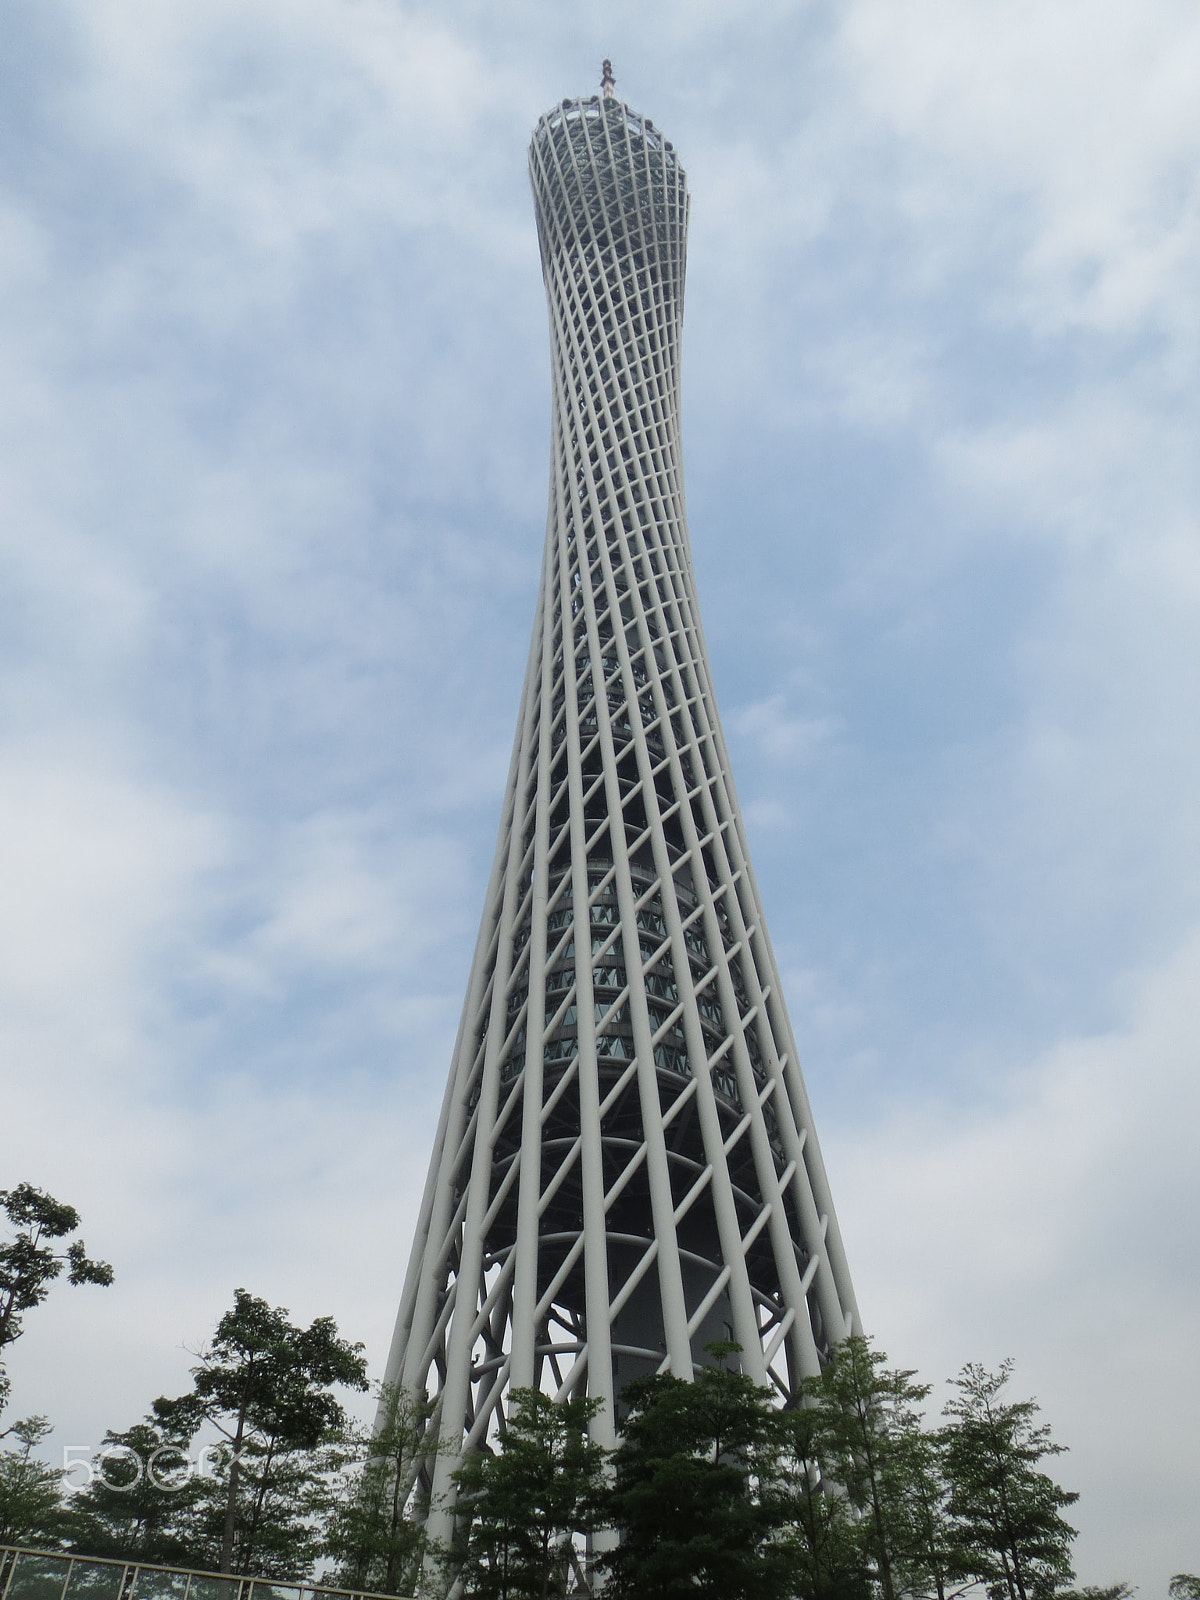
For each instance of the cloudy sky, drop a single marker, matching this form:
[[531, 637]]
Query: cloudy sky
[[273, 451]]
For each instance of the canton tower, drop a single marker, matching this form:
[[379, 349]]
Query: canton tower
[[626, 1165]]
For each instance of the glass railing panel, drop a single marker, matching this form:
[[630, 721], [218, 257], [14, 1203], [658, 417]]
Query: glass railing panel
[[210, 1587], [36, 1577], [158, 1583], [47, 1575], [95, 1580], [273, 1591]]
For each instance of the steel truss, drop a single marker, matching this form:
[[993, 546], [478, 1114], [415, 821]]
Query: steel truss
[[626, 1165]]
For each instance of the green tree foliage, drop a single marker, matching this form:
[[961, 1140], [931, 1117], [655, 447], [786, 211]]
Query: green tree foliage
[[715, 1493], [1008, 1511], [30, 1260], [932, 1557], [142, 1500], [820, 1532], [266, 1387], [376, 1542], [527, 1502], [157, 1495], [1184, 1586], [286, 1495], [695, 1494], [870, 1443], [31, 1499]]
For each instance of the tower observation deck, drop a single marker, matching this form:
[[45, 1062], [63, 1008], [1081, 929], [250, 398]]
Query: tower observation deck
[[626, 1166]]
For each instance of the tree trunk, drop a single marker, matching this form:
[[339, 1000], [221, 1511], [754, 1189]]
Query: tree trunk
[[256, 1514], [10, 1300], [1012, 1593], [1010, 1540], [397, 1514], [231, 1496], [6, 1315], [885, 1565]]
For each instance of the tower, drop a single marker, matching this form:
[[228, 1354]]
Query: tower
[[626, 1166]]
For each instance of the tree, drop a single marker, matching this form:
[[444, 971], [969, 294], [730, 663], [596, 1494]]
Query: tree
[[527, 1502], [142, 1500], [1184, 1586], [286, 1496], [265, 1386], [376, 1543], [822, 1536], [694, 1495], [31, 1501], [29, 1263], [1007, 1509], [931, 1556], [870, 1443]]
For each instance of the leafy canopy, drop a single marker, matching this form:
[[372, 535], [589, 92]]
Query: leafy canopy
[[526, 1503], [694, 1492], [266, 1386], [373, 1533], [142, 1497], [29, 1261], [31, 1501], [1008, 1510]]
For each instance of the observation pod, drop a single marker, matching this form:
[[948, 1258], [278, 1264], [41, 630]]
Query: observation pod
[[626, 1166]]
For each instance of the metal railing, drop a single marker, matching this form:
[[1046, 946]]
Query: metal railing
[[27, 1574]]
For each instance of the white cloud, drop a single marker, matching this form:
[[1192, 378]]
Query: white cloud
[[337, 893], [1081, 114], [195, 1167], [1107, 470], [1052, 1221], [95, 865], [275, 1188], [278, 121], [780, 735]]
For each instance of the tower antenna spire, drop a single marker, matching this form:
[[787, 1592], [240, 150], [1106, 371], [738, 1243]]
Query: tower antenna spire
[[607, 82]]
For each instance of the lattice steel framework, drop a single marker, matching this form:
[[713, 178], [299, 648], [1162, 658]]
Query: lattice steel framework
[[626, 1165]]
